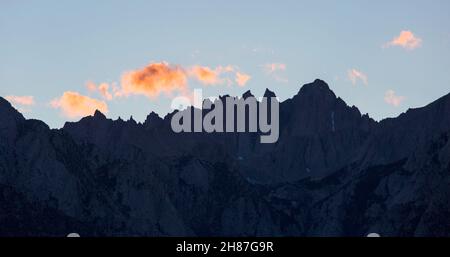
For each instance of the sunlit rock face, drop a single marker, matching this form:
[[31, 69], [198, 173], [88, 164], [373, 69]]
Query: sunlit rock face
[[333, 172]]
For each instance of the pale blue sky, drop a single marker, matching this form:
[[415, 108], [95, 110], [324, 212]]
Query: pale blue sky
[[49, 47]]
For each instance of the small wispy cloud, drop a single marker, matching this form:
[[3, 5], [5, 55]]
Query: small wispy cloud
[[406, 40], [103, 89], [22, 103], [75, 105], [20, 100], [263, 50], [242, 79], [195, 53], [219, 75], [274, 69], [355, 75], [391, 98]]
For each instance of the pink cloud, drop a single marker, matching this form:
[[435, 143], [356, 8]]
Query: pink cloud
[[20, 100], [273, 67], [103, 89], [91, 86], [354, 75], [406, 39], [391, 98], [273, 70]]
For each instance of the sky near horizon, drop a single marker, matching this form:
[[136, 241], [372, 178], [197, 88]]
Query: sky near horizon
[[60, 60]]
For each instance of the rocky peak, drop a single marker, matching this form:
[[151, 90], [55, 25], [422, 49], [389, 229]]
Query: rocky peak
[[153, 120], [4, 102], [153, 116], [99, 115], [269, 93], [132, 120], [316, 90], [247, 94], [10, 119], [7, 110]]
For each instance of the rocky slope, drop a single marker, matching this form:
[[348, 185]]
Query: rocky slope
[[333, 172]]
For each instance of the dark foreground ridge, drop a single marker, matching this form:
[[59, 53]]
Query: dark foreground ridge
[[333, 172]]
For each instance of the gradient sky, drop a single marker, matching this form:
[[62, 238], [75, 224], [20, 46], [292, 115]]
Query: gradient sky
[[50, 47]]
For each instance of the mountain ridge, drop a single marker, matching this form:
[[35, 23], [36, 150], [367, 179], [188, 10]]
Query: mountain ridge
[[333, 172]]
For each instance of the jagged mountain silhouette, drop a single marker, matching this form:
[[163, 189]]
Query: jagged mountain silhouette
[[333, 172]]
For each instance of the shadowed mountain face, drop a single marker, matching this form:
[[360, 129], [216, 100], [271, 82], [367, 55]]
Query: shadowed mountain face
[[333, 172]]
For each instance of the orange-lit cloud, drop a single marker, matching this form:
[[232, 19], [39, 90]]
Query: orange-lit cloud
[[354, 75], [161, 77], [273, 70], [20, 100], [74, 105], [242, 79], [154, 79], [391, 98], [407, 40], [206, 75]]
